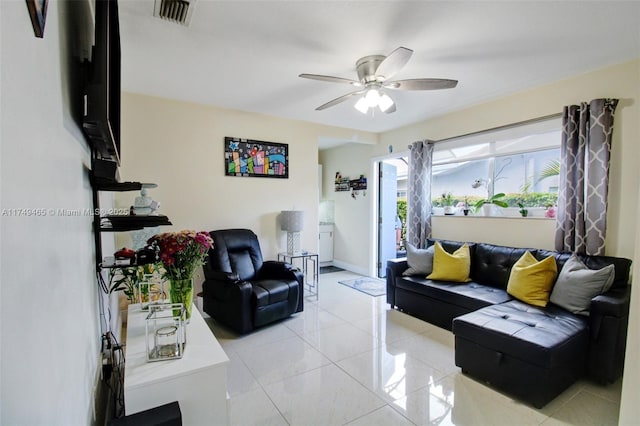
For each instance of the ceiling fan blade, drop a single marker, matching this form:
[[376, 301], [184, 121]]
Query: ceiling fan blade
[[391, 109], [339, 100], [394, 62], [422, 84], [330, 79]]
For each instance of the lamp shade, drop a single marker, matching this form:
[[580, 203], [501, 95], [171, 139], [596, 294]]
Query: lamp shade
[[292, 220]]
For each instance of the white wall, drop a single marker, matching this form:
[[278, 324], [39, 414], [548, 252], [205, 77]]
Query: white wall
[[48, 304], [180, 147]]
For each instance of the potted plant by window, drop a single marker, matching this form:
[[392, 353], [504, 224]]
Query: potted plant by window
[[487, 203], [523, 212], [447, 203]]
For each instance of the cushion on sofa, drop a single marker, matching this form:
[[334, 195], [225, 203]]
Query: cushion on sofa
[[577, 285], [420, 261], [454, 267], [545, 337], [531, 280], [491, 264], [471, 296]]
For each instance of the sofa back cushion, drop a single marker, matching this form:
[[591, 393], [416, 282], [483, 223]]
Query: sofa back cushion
[[621, 265], [492, 264]]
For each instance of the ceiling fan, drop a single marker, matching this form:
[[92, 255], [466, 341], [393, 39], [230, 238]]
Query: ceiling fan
[[374, 74]]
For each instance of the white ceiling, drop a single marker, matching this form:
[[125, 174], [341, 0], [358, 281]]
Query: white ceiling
[[247, 55]]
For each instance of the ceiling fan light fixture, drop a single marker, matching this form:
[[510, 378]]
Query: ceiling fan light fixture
[[372, 97], [385, 102], [362, 105]]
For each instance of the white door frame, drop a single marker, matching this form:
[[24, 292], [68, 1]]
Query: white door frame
[[374, 191]]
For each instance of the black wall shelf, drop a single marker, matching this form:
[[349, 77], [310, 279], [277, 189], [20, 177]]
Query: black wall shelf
[[119, 223]]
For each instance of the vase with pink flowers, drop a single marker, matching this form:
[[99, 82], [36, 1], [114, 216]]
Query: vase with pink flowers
[[180, 254]]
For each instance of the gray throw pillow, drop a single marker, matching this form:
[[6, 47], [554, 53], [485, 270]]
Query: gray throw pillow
[[577, 285], [420, 261]]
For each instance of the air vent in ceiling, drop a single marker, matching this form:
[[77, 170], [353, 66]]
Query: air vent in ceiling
[[178, 11]]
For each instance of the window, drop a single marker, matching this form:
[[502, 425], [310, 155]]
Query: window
[[522, 162]]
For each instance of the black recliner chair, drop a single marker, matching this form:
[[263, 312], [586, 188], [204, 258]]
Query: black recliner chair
[[241, 290]]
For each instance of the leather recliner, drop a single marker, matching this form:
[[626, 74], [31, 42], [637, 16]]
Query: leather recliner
[[241, 290]]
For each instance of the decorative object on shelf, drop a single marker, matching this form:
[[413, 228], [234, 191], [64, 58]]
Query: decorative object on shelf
[[447, 203], [165, 332], [180, 254], [465, 206], [247, 157], [38, 13], [487, 203], [344, 184], [125, 257], [292, 221], [144, 205], [550, 212], [523, 212], [140, 237], [358, 185]]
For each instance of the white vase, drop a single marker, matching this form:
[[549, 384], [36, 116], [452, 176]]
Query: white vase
[[491, 210], [448, 210]]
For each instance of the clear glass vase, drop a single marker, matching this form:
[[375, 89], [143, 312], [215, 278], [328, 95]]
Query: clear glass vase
[[181, 291]]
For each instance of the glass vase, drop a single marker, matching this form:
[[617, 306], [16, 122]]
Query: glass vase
[[181, 291]]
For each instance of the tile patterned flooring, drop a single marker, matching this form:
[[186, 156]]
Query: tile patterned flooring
[[349, 359]]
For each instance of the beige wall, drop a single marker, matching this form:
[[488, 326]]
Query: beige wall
[[179, 146]]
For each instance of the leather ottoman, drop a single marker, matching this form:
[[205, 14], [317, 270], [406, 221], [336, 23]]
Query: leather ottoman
[[533, 353]]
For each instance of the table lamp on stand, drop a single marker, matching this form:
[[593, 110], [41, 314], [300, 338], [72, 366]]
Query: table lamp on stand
[[292, 221]]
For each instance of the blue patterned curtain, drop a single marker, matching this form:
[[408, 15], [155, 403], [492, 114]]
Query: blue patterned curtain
[[584, 176], [419, 202]]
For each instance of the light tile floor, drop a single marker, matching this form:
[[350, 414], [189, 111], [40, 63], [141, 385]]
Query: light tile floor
[[350, 359]]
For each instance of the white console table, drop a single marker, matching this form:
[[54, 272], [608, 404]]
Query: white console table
[[198, 381]]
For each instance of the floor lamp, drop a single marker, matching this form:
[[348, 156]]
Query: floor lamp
[[292, 221]]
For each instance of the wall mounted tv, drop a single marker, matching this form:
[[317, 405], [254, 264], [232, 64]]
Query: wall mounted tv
[[101, 121]]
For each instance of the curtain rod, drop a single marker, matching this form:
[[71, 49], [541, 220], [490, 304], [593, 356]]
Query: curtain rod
[[506, 126]]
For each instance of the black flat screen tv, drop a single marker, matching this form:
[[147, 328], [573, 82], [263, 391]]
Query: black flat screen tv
[[101, 121]]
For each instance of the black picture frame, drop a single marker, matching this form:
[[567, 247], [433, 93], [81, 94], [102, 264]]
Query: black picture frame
[[38, 13], [253, 158]]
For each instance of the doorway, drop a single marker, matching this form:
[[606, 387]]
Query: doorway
[[391, 211]]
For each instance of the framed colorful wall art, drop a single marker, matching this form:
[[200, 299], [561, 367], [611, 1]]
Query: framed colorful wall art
[[247, 157]]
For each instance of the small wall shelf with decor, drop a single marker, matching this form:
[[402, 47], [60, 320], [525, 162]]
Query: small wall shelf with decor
[[118, 223], [345, 184]]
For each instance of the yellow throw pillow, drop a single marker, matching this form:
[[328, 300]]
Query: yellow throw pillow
[[451, 267], [531, 280]]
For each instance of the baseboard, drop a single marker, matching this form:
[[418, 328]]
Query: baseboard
[[351, 268]]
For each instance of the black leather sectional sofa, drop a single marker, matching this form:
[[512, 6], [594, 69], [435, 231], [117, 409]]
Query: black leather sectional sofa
[[531, 352]]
